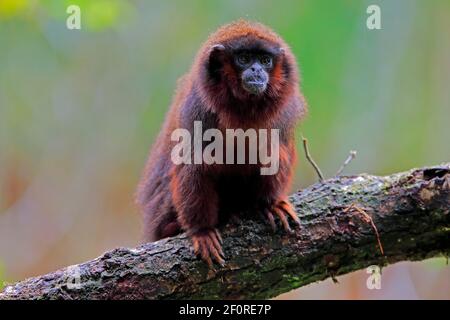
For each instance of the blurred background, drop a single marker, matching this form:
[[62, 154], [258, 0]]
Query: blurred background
[[79, 110]]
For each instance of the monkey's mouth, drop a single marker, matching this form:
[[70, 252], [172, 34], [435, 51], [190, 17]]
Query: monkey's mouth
[[255, 85]]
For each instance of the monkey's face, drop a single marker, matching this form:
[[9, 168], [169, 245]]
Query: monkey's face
[[254, 69], [248, 67]]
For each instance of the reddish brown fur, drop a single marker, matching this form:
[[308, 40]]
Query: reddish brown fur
[[196, 198]]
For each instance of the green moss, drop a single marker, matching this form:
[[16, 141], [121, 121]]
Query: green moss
[[294, 281]]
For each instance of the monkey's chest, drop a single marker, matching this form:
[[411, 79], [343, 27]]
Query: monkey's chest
[[238, 152], [239, 192]]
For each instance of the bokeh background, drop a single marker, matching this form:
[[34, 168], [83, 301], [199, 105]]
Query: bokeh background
[[79, 110]]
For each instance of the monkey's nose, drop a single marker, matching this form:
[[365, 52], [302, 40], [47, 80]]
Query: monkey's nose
[[256, 68]]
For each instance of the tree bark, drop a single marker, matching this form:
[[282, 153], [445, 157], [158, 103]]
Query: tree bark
[[341, 218]]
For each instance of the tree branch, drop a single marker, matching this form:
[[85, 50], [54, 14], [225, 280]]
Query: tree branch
[[410, 211]]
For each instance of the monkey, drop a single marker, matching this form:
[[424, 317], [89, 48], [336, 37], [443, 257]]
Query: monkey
[[244, 76]]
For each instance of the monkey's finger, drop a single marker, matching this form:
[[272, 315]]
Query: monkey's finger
[[215, 254], [205, 253], [283, 219], [216, 243], [219, 237], [211, 244], [271, 219], [286, 207], [195, 246], [220, 261]]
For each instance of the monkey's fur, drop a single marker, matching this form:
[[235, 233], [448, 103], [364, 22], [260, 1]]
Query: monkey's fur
[[197, 198]]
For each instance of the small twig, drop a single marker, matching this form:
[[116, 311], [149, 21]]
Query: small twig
[[367, 219], [349, 159], [333, 277], [308, 156]]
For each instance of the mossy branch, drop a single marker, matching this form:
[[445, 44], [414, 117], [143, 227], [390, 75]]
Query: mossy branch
[[409, 211]]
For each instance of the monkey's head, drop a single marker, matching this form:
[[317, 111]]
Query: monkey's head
[[246, 63]]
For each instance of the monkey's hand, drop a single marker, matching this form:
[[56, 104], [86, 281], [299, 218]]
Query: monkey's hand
[[282, 209], [208, 245]]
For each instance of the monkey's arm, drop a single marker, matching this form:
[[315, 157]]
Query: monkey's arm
[[273, 197], [191, 185]]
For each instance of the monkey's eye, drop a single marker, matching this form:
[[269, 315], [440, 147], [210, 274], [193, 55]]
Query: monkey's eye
[[266, 60], [243, 59]]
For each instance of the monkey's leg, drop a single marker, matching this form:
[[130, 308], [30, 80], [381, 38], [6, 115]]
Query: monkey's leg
[[196, 202]]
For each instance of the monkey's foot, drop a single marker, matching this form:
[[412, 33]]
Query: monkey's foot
[[208, 245], [282, 209]]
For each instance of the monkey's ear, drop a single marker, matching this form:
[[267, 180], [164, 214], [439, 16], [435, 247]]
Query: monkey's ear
[[281, 50], [217, 47], [214, 63]]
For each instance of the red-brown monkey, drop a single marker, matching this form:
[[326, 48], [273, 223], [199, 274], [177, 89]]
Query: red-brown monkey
[[244, 76]]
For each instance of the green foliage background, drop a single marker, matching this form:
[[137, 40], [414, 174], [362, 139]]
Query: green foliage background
[[79, 109]]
